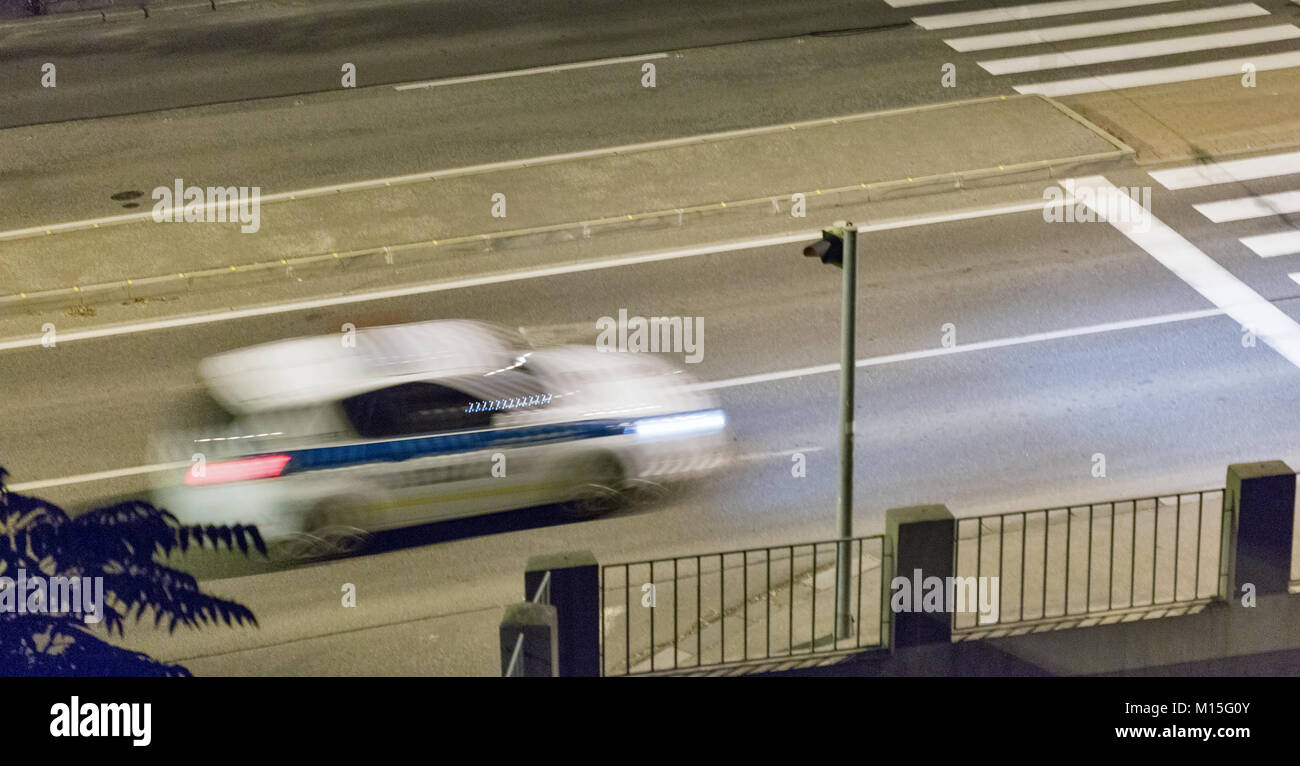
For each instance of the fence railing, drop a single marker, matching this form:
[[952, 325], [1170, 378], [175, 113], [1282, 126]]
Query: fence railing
[[515, 669], [773, 608], [737, 606], [1098, 561]]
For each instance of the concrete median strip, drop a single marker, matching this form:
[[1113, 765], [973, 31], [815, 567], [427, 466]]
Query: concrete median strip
[[1105, 148], [861, 159]]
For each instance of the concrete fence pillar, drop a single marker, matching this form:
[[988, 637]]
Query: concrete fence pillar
[[1260, 499], [918, 539], [536, 623], [575, 594]]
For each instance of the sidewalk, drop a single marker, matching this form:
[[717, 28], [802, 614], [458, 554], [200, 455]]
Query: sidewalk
[[1201, 118], [856, 159]]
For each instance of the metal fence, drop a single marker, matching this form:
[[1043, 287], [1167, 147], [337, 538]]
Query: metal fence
[[1095, 563], [718, 609], [515, 668]]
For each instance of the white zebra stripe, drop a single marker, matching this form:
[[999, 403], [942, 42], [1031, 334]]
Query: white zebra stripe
[[1205, 71], [1211, 173], [1103, 28], [1244, 208], [1087, 56], [1022, 12], [1273, 245]]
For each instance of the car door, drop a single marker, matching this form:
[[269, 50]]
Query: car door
[[432, 452]]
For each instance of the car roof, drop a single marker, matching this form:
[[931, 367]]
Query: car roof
[[313, 370]]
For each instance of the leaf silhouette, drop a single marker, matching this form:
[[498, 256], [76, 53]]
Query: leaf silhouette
[[120, 544]]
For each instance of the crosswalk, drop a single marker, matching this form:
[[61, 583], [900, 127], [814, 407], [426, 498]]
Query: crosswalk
[[1279, 205], [1247, 39]]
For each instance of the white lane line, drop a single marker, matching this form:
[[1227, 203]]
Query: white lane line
[[501, 278], [1211, 173], [1103, 28], [766, 377], [910, 3], [1247, 307], [1030, 11], [100, 476], [1231, 67], [1273, 245], [1088, 56], [1244, 208], [930, 353], [755, 457], [530, 71]]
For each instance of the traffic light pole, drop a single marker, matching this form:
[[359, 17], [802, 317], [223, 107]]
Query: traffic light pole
[[839, 247], [848, 358]]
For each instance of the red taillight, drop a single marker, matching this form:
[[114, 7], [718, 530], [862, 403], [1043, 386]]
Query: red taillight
[[261, 467]]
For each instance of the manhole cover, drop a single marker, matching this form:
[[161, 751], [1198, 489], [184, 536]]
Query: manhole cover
[[125, 198]]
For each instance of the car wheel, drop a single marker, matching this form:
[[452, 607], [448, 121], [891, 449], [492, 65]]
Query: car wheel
[[643, 491], [296, 548], [329, 523], [326, 537], [601, 494], [344, 540]]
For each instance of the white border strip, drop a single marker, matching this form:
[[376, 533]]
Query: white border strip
[[530, 71], [912, 3], [930, 353], [100, 476]]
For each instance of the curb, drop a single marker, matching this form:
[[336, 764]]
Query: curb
[[124, 12], [416, 253]]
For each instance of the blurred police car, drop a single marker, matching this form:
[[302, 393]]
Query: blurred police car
[[335, 436]]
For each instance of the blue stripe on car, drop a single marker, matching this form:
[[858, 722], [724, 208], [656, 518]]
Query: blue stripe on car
[[444, 444]]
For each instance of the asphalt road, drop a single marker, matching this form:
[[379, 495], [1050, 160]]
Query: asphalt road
[[1011, 426], [1006, 428], [766, 310], [279, 47]]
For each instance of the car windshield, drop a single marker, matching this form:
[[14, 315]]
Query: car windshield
[[511, 339]]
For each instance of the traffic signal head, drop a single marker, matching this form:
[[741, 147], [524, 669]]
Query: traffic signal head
[[830, 248]]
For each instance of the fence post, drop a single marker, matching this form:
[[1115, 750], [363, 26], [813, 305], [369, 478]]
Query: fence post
[[539, 657], [1262, 497], [921, 540], [575, 594]]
